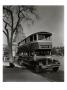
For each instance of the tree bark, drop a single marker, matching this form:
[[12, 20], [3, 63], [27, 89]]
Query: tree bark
[[11, 60]]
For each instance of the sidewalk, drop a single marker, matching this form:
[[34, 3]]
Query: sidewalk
[[15, 63]]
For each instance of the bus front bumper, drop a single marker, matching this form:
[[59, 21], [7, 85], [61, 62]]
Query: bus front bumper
[[49, 67]]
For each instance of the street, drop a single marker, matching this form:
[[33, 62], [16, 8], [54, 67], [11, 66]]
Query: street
[[25, 75]]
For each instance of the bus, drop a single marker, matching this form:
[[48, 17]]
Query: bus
[[35, 51]]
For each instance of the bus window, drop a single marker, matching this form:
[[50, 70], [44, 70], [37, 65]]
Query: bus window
[[48, 38], [44, 62], [49, 61], [31, 38], [35, 38], [27, 40], [41, 36], [44, 37], [42, 52]]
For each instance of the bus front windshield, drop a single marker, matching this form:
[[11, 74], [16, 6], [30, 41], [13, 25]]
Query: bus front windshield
[[44, 37], [43, 52]]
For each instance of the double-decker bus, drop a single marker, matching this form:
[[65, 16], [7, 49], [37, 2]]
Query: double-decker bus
[[35, 51]]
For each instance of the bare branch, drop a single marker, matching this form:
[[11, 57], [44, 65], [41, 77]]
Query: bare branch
[[17, 21], [8, 10], [5, 33], [6, 23], [6, 28]]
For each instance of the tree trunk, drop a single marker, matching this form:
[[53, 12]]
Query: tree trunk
[[11, 60]]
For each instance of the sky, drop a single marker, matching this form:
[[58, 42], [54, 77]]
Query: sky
[[51, 19]]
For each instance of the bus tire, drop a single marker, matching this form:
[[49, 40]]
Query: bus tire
[[55, 69], [20, 62]]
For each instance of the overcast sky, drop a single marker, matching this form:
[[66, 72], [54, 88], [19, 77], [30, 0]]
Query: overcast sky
[[51, 20]]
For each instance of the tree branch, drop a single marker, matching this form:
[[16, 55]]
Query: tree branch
[[17, 21], [20, 11], [6, 36], [8, 10], [6, 28], [6, 23], [5, 33]]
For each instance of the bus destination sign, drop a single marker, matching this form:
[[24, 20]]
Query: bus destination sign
[[45, 46]]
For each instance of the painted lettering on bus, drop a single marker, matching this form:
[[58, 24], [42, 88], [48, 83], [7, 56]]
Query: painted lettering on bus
[[45, 46]]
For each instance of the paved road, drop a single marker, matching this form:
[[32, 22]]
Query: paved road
[[25, 75]]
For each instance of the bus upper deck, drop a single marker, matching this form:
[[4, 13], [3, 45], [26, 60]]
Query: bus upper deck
[[38, 42], [37, 37]]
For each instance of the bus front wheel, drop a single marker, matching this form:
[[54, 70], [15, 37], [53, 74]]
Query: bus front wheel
[[55, 69], [20, 62]]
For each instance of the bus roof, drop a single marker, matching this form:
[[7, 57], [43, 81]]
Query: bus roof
[[41, 33], [45, 33], [49, 34]]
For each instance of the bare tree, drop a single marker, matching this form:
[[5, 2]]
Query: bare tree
[[12, 18]]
